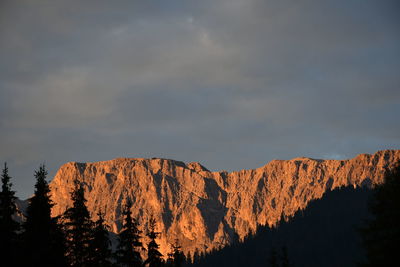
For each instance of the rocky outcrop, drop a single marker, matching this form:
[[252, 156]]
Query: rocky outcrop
[[204, 209]]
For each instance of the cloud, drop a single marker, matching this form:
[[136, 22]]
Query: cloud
[[232, 84]]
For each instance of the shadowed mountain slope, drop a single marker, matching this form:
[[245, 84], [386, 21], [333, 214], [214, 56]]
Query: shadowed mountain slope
[[324, 234]]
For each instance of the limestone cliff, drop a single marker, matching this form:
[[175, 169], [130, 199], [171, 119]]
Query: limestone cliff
[[204, 209]]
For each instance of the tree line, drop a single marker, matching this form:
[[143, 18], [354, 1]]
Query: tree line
[[73, 238]]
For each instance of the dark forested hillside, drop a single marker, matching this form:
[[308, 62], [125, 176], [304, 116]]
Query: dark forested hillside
[[325, 234]]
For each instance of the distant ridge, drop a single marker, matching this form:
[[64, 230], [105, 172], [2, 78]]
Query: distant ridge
[[206, 210]]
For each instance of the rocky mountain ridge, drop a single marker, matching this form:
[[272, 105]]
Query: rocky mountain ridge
[[206, 210]]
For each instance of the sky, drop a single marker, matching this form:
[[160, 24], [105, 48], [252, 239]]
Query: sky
[[231, 84]]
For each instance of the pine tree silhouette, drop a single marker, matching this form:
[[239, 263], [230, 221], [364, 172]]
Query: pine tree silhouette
[[42, 237], [129, 246], [381, 236], [284, 257], [176, 258], [58, 242], [196, 256], [101, 243], [189, 259], [273, 258], [154, 257], [8, 226], [78, 228]]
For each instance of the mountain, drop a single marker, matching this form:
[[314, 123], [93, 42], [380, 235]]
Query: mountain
[[205, 210]]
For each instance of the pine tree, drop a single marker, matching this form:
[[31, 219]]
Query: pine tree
[[78, 228], [154, 257], [273, 258], [8, 226], [381, 236], [170, 260], [58, 242], [189, 259], [128, 250], [285, 257], [43, 239], [196, 256], [101, 243], [176, 258]]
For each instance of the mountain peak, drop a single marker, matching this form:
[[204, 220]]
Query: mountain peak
[[206, 210], [197, 167]]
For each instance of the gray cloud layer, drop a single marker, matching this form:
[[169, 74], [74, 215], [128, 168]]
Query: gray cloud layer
[[231, 83]]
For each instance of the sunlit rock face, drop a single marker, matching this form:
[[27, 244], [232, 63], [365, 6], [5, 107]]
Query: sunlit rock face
[[206, 210]]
